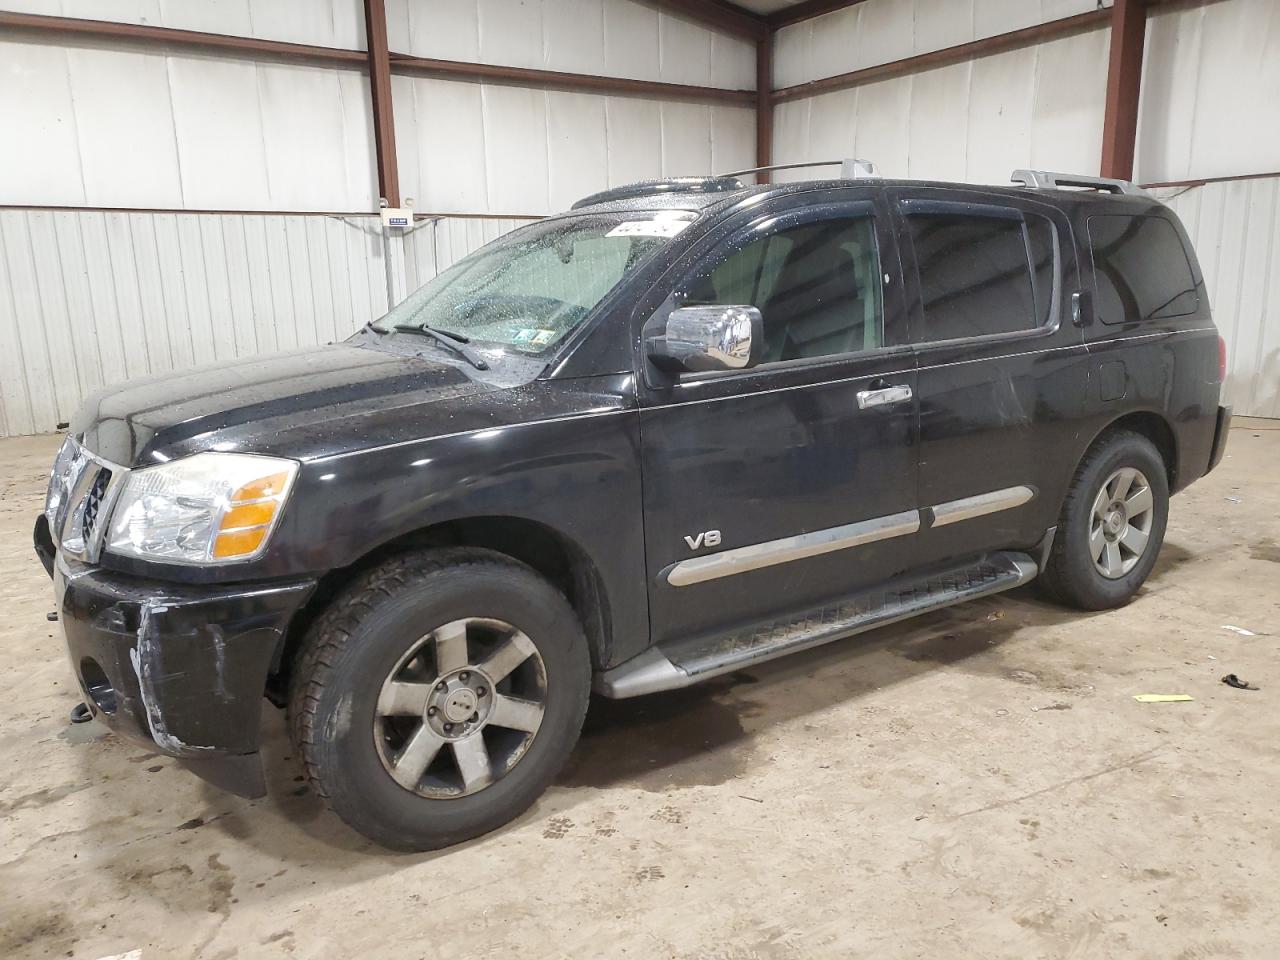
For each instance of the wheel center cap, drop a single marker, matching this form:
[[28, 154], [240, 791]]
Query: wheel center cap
[[459, 705], [1115, 521]]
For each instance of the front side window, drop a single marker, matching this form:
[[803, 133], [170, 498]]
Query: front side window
[[1140, 269], [527, 291], [816, 285], [982, 274]]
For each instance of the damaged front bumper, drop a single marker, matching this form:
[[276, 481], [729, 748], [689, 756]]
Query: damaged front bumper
[[181, 668]]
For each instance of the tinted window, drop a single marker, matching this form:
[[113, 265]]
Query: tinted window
[[982, 274], [1140, 269], [817, 287]]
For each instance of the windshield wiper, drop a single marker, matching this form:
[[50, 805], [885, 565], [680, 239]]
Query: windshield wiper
[[450, 341]]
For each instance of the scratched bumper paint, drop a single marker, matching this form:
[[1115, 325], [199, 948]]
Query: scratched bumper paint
[[182, 669]]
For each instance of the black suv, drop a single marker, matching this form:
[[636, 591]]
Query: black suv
[[687, 426]]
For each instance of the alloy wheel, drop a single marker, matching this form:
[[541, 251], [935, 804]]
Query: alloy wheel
[[460, 709], [1120, 522]]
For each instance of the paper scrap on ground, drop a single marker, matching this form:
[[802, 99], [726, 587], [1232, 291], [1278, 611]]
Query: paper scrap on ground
[[1240, 630], [1162, 697]]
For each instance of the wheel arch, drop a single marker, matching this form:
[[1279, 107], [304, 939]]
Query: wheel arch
[[549, 552], [1147, 423]]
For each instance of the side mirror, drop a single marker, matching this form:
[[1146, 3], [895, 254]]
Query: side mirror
[[698, 339]]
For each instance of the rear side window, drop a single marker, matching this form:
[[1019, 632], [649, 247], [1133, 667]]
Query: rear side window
[[982, 274], [1140, 269]]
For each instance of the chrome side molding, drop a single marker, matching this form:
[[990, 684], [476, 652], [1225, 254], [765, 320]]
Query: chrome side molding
[[757, 555], [966, 508]]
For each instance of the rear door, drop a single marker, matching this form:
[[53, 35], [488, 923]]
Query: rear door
[[796, 473], [1002, 369]]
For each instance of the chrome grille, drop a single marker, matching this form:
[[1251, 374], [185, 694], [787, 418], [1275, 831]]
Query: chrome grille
[[93, 503], [80, 497]]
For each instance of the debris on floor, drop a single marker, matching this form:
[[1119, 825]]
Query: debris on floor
[[1240, 630], [1231, 680], [1232, 499], [1162, 697]]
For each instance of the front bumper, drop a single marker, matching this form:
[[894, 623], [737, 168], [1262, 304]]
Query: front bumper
[[179, 668]]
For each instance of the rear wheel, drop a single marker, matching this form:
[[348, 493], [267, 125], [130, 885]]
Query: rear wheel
[[1111, 526], [439, 696]]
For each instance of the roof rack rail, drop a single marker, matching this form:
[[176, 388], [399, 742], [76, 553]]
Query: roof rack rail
[[849, 169], [1045, 180], [648, 188]]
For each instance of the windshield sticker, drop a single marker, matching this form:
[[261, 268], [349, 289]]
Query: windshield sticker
[[531, 337], [648, 228]]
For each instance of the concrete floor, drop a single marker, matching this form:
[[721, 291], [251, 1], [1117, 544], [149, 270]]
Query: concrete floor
[[979, 783]]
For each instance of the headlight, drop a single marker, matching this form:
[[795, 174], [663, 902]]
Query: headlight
[[206, 509]]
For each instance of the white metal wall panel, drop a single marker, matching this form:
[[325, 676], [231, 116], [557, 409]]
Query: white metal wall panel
[[484, 148], [621, 38], [1206, 71], [881, 31], [325, 23], [1235, 229], [94, 298], [41, 152], [1038, 106], [113, 126]]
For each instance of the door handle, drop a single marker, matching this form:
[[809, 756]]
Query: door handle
[[882, 396]]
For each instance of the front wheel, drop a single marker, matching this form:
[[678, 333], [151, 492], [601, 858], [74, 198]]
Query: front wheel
[[439, 696], [1111, 526]]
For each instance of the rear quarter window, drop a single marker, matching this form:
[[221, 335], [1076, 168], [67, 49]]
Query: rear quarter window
[[983, 274], [1140, 269]]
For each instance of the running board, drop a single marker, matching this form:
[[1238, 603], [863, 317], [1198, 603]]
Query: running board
[[688, 662]]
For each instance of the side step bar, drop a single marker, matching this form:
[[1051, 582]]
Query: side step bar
[[688, 662]]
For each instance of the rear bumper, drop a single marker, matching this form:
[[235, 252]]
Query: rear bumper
[[1221, 429], [181, 669]]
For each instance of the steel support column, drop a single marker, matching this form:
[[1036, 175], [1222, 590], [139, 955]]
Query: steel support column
[[764, 106], [384, 126], [1124, 80]]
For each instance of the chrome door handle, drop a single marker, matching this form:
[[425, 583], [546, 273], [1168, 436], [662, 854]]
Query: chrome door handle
[[883, 396]]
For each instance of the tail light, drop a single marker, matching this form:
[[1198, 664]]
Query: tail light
[[1222, 360]]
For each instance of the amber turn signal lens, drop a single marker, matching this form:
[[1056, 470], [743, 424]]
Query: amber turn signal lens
[[262, 488], [237, 543], [248, 515]]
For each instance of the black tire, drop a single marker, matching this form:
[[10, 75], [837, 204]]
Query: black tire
[[1070, 575], [355, 644]]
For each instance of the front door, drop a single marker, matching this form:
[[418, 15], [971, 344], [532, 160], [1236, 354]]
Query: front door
[[775, 489]]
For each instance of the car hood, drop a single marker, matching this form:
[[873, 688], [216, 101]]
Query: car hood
[[301, 404]]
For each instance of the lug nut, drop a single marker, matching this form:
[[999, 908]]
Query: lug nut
[[448, 728], [432, 711], [464, 676], [442, 686]]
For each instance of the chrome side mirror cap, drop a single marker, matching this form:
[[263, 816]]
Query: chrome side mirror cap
[[698, 339]]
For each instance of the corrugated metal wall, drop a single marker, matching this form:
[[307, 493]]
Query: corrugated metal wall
[[1039, 107], [1235, 227], [115, 125], [89, 298]]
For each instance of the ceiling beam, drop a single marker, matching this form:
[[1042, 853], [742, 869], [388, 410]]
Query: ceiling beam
[[254, 47], [556, 80], [806, 11], [1124, 80], [726, 17], [959, 53]]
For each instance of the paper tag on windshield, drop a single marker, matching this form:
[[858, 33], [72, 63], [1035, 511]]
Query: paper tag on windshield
[[533, 337], [668, 227]]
